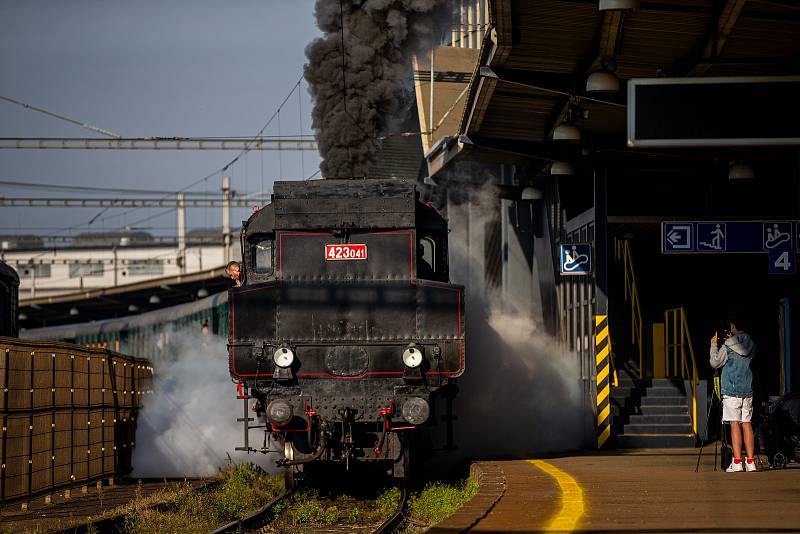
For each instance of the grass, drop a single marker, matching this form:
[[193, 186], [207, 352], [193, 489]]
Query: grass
[[183, 509], [436, 502], [306, 509]]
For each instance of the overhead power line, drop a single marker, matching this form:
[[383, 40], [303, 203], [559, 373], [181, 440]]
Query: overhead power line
[[243, 145], [239, 202], [90, 189], [60, 117]]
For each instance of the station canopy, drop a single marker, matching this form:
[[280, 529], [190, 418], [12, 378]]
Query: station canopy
[[533, 68], [123, 300]]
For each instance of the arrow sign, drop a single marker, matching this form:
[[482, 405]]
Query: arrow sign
[[674, 237], [677, 237]]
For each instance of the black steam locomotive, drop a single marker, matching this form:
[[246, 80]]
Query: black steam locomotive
[[346, 327]]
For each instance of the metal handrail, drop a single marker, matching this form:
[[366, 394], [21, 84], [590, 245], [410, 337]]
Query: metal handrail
[[622, 252], [676, 327]]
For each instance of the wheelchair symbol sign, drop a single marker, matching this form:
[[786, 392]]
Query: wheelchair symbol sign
[[576, 258]]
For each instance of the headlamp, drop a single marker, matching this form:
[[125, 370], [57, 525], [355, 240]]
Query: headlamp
[[283, 357], [412, 357]]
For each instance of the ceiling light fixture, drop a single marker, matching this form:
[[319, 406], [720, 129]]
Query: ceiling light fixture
[[741, 171], [74, 311], [531, 193], [154, 299], [561, 168], [202, 292], [602, 81], [617, 5], [566, 132]]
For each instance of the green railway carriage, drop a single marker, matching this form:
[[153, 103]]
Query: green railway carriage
[[142, 335]]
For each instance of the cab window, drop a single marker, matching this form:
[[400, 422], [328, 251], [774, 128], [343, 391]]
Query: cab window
[[426, 257], [262, 257]]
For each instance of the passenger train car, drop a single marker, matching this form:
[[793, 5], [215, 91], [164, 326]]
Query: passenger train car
[[9, 299], [346, 327]]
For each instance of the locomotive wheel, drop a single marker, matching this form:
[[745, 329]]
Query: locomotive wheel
[[400, 468], [290, 471]]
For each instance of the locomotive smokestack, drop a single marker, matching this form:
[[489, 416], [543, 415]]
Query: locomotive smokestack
[[357, 93]]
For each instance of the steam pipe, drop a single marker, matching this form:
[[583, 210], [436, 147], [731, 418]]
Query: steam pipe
[[308, 459]]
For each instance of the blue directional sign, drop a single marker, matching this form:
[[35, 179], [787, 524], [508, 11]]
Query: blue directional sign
[[711, 237], [576, 258], [729, 236], [782, 262], [677, 237]]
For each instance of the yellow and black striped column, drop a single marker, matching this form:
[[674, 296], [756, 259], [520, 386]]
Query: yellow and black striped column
[[602, 343]]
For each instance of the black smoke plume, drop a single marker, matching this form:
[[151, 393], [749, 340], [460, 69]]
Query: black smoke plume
[[379, 37]]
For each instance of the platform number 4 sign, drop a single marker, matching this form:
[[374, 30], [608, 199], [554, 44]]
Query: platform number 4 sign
[[782, 262]]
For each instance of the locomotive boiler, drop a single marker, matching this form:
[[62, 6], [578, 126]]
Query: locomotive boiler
[[346, 328]]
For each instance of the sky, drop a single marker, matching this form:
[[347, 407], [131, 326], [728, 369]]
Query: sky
[[149, 68]]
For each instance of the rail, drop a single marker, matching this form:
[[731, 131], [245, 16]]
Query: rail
[[253, 520], [622, 252], [678, 344], [393, 523]]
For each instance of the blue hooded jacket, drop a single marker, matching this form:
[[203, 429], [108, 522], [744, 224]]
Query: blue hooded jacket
[[734, 357]]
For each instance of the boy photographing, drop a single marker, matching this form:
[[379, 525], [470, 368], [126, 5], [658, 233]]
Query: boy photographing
[[734, 356]]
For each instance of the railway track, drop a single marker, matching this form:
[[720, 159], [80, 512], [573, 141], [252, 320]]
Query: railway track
[[74, 514], [391, 524], [71, 514], [263, 515], [255, 519]]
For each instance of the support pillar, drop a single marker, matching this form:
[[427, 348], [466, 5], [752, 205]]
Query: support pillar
[[226, 219]]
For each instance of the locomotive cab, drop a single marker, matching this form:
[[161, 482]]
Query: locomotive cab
[[346, 326]]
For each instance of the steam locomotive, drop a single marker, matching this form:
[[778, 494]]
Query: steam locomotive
[[346, 328]]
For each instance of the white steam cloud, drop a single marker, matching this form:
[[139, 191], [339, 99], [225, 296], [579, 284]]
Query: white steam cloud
[[188, 426], [521, 393]]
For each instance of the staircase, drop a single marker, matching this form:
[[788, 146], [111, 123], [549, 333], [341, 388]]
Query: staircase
[[651, 413]]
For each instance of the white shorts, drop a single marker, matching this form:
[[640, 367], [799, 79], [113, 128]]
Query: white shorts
[[737, 409]]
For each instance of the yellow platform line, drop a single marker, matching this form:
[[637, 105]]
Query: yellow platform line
[[572, 504]]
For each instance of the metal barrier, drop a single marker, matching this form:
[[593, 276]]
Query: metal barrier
[[69, 415], [622, 252], [678, 345]]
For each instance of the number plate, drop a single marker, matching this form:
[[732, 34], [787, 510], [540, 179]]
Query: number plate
[[345, 252]]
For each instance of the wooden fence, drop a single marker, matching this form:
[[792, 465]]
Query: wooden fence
[[69, 415]]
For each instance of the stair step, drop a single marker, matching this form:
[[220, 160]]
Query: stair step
[[664, 401], [661, 419], [660, 428], [659, 391], [657, 441], [649, 383], [665, 382], [622, 392], [626, 382], [655, 409]]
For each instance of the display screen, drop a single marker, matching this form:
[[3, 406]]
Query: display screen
[[736, 111]]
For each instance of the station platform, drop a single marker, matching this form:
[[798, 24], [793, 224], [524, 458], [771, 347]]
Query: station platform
[[627, 491]]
